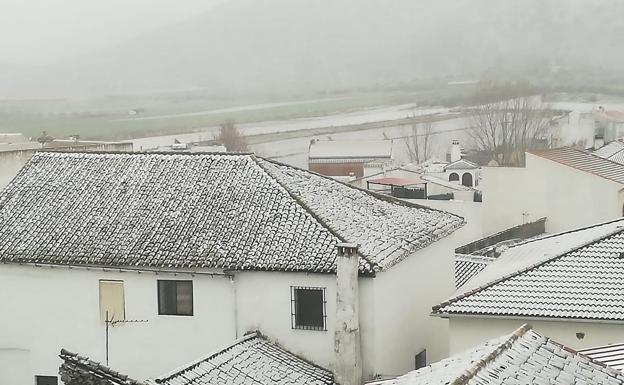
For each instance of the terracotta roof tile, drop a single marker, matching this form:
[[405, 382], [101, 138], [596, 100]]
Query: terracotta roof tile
[[224, 211]]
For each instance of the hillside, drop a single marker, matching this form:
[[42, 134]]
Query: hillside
[[277, 46]]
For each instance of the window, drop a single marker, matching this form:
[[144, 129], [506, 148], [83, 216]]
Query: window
[[175, 297], [308, 308], [112, 301], [46, 380], [421, 360], [453, 177]]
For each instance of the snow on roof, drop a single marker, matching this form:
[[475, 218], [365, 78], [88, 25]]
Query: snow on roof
[[78, 370], [577, 274], [524, 357], [467, 266], [224, 211], [396, 181], [345, 149], [584, 161], [461, 164], [610, 149], [613, 151], [250, 360], [610, 355], [443, 182]]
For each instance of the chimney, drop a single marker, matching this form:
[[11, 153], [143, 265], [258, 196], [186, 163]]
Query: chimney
[[598, 141], [348, 362], [455, 151]]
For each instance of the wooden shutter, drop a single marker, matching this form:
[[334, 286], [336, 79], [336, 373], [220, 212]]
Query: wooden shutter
[[112, 300]]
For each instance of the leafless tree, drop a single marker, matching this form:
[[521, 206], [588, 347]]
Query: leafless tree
[[231, 138], [508, 128], [418, 142]]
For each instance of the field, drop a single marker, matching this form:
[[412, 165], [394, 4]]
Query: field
[[177, 118]]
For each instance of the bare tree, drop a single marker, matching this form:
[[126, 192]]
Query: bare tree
[[418, 142], [508, 128], [231, 138]]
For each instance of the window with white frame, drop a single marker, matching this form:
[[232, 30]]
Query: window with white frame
[[308, 308]]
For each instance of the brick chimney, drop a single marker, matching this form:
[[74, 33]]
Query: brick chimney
[[348, 361]]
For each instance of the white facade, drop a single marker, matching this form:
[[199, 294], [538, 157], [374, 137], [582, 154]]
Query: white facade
[[567, 197], [53, 308], [466, 332]]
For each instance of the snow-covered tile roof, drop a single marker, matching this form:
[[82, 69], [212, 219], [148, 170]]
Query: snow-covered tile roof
[[79, 370], [610, 355], [250, 360], [387, 229], [613, 151], [584, 161], [461, 164], [577, 274], [467, 266], [226, 211], [610, 149], [524, 357], [344, 149]]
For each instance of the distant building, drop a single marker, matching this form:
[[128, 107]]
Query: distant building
[[349, 157], [569, 187], [568, 284], [609, 125]]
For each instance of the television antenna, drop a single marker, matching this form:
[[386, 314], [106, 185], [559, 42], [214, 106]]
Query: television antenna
[[111, 323]]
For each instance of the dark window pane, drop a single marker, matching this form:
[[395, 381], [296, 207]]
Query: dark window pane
[[175, 297], [421, 359], [46, 380], [184, 298], [309, 308]]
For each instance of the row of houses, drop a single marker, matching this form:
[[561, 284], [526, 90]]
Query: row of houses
[[207, 268]]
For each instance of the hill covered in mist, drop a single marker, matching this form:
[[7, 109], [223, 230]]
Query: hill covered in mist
[[304, 46]]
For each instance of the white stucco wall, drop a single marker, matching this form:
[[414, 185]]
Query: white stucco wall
[[466, 332], [569, 198], [54, 308], [404, 296], [263, 303], [45, 309]]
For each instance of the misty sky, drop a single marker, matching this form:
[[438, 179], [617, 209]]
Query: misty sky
[[46, 31]]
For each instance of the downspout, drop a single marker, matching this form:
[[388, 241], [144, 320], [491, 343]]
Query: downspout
[[233, 283]]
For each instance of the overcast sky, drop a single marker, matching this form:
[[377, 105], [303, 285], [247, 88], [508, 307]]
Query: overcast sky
[[45, 31]]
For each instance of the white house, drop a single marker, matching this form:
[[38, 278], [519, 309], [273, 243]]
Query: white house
[[569, 285], [522, 357], [570, 187], [184, 253]]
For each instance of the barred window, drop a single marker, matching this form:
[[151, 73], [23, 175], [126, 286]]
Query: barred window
[[308, 308]]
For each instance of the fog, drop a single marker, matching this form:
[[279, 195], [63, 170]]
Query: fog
[[287, 47]]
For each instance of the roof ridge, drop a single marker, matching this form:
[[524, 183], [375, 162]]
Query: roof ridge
[[437, 307], [472, 371], [113, 152], [540, 152], [374, 194], [307, 208], [527, 241], [249, 336], [104, 369]]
